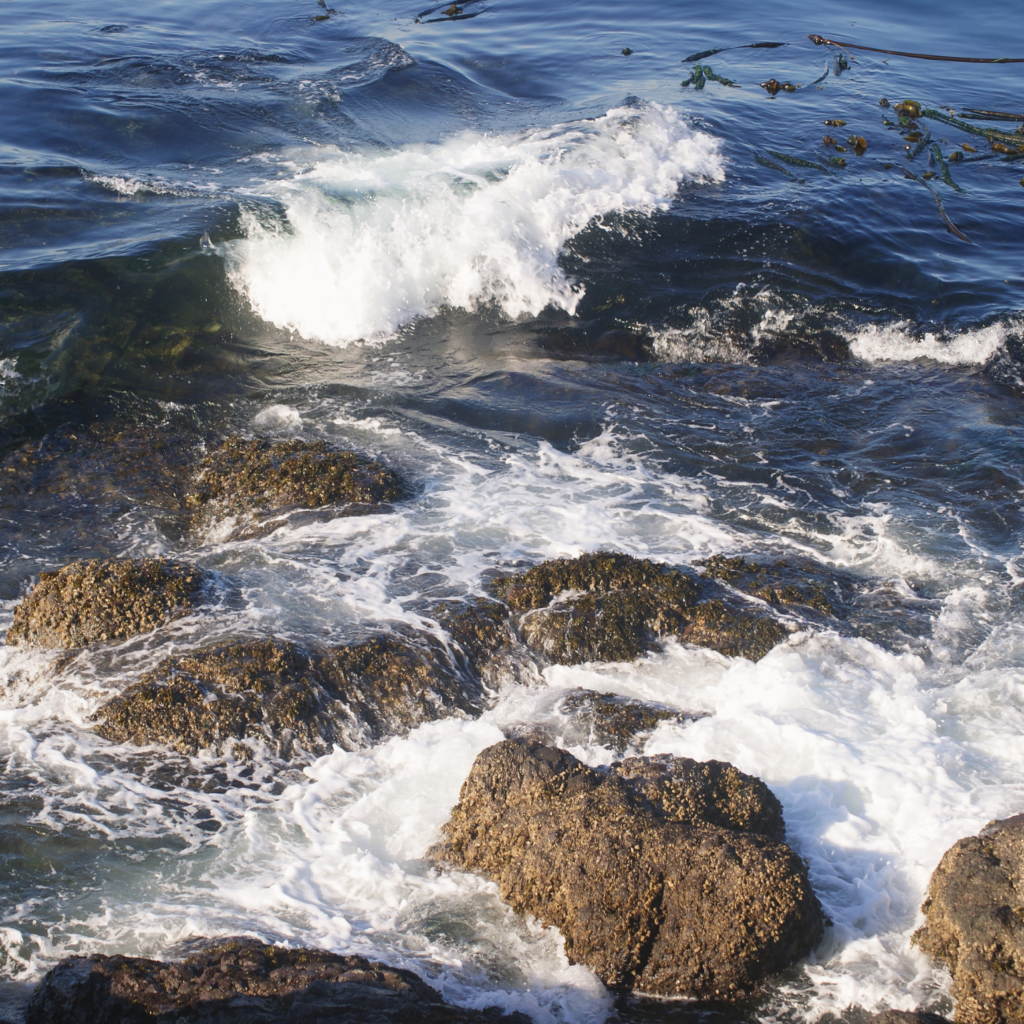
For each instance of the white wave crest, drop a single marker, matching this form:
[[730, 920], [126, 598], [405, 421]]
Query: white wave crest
[[898, 342], [372, 240]]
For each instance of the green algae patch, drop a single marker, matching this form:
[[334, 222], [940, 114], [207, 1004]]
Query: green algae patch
[[105, 599]]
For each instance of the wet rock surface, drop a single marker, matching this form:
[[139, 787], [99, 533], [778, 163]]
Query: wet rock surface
[[649, 868], [243, 981], [975, 923], [613, 607], [907, 1017], [294, 700], [612, 720], [105, 599], [780, 584], [248, 476]]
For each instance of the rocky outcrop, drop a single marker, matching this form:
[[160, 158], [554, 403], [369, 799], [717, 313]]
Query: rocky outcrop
[[243, 477], [611, 720], [613, 607], [105, 599], [294, 700], [243, 981], [654, 870], [975, 912], [780, 584]]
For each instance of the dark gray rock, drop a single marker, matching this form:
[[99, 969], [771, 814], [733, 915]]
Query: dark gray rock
[[243, 981]]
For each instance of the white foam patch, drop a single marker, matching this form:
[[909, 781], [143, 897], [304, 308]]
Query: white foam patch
[[279, 417], [900, 342], [372, 240]]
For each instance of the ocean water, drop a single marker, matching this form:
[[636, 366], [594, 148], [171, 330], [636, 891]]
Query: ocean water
[[579, 306]]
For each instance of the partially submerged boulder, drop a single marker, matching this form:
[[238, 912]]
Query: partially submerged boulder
[[613, 607], [105, 599], [781, 583], [243, 981], [975, 923], [294, 700], [651, 869], [612, 720], [243, 477]]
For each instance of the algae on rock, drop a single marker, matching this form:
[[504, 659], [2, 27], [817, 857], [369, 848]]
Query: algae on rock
[[614, 607], [652, 870], [975, 923], [247, 475], [105, 599], [296, 701], [243, 981]]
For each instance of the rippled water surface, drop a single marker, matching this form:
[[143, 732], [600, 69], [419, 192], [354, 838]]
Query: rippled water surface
[[578, 305]]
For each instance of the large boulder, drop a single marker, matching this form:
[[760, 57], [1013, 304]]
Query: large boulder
[[243, 981], [975, 923], [613, 607], [294, 700], [666, 876], [105, 599], [248, 477]]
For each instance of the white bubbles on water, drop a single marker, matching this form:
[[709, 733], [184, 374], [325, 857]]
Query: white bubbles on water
[[371, 240], [903, 342]]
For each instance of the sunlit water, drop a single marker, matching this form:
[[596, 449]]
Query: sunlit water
[[559, 292]]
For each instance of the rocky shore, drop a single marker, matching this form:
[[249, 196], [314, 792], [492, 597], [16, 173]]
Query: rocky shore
[[666, 876]]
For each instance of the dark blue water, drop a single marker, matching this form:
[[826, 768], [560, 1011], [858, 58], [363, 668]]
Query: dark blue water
[[578, 304]]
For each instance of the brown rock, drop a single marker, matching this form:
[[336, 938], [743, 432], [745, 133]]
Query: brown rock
[[632, 864], [613, 607], [975, 911], [105, 599], [612, 720], [243, 981], [243, 476], [296, 701]]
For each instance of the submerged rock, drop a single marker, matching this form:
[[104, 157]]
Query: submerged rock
[[611, 720], [105, 599], [613, 607], [651, 869], [243, 981], [782, 584], [907, 1017], [294, 700], [975, 923], [247, 476]]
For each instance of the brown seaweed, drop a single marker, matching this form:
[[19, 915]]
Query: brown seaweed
[[973, 114], [822, 41], [704, 54], [950, 226]]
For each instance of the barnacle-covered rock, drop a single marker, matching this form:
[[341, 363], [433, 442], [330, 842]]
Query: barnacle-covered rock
[[294, 700], [613, 607], [975, 922], [105, 599], [612, 720], [243, 476], [243, 981], [654, 870]]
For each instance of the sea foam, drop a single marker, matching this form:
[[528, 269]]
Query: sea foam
[[371, 240]]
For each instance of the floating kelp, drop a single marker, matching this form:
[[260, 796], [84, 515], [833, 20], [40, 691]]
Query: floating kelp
[[944, 169], [821, 78], [702, 73], [449, 12], [909, 108], [834, 122], [704, 54], [989, 115], [950, 226], [822, 41], [922, 141], [858, 144], [765, 162], [696, 78], [840, 64], [992, 134], [796, 161], [772, 86]]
